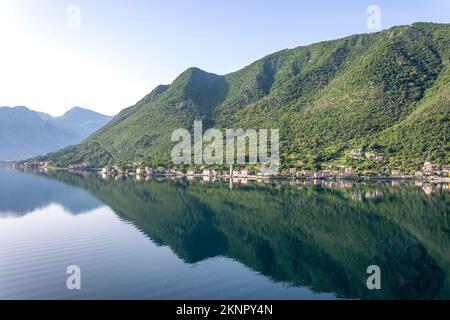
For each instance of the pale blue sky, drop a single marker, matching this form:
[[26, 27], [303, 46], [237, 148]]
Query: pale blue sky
[[124, 49]]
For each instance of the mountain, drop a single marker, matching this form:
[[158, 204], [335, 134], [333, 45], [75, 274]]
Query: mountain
[[25, 133], [81, 122], [384, 92], [44, 116]]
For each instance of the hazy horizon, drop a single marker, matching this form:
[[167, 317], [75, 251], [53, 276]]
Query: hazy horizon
[[107, 55]]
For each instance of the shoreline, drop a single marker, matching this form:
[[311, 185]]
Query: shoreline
[[431, 179]]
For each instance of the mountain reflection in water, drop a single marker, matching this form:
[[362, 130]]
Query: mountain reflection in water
[[319, 235]]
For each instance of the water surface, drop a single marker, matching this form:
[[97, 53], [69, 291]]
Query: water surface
[[204, 240]]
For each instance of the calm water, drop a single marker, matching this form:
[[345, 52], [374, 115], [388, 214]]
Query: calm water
[[196, 240]]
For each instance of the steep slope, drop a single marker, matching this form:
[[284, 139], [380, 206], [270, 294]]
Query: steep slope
[[386, 91], [143, 131], [426, 131]]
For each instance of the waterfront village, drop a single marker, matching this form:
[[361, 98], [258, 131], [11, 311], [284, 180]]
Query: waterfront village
[[428, 171], [298, 170], [430, 178]]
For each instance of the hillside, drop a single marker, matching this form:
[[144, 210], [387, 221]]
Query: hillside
[[384, 92], [25, 133]]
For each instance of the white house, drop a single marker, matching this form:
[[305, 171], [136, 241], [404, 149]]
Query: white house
[[149, 171]]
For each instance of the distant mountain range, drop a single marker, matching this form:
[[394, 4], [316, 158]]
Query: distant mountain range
[[385, 92], [25, 133]]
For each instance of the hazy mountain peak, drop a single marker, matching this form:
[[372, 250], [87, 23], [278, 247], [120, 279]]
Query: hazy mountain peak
[[25, 133], [80, 121], [16, 108], [79, 111]]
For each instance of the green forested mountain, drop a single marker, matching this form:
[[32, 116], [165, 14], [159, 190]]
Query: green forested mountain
[[387, 92]]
